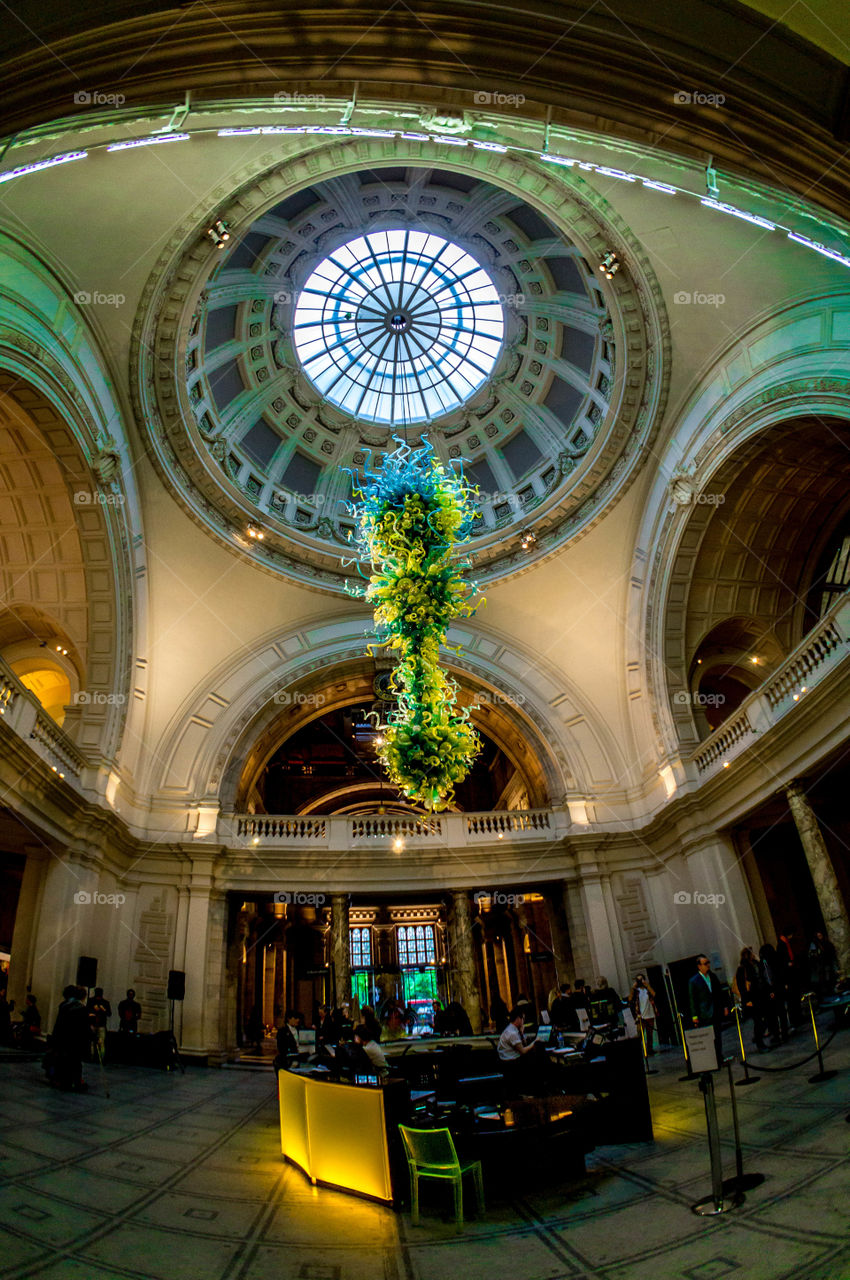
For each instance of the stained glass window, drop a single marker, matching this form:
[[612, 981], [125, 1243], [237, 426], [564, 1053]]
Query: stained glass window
[[416, 944], [398, 326], [360, 941]]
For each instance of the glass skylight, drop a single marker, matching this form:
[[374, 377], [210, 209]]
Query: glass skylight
[[398, 327]]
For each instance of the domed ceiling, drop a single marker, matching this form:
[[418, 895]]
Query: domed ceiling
[[401, 301]]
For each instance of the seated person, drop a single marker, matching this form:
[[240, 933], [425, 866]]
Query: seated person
[[517, 1066], [564, 1010], [440, 1020], [366, 1042], [606, 1004], [29, 1028]]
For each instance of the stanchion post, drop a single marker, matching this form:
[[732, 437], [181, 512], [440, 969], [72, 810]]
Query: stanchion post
[[821, 1075], [650, 1071], [748, 1079], [741, 1181], [689, 1075], [719, 1201]]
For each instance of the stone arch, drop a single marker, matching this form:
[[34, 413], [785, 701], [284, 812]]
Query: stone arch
[[210, 741], [65, 431], [774, 385]]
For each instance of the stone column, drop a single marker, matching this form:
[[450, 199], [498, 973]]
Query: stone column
[[26, 926], [555, 897], [269, 984], [462, 958], [279, 1003], [832, 905], [340, 949], [194, 959]]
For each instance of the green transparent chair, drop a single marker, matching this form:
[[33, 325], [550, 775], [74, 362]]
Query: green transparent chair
[[431, 1154]]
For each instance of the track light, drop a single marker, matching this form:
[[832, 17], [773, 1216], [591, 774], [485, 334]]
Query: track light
[[219, 233], [609, 264]]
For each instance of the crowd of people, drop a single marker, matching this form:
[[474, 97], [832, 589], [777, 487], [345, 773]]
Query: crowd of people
[[78, 1034], [770, 986]]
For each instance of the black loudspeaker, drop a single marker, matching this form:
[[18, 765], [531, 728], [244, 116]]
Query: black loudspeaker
[[176, 984], [86, 971]]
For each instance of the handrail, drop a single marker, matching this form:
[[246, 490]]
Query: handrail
[[818, 651], [25, 714]]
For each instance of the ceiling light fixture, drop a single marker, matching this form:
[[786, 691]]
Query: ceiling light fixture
[[255, 533], [528, 541], [609, 264], [219, 233]]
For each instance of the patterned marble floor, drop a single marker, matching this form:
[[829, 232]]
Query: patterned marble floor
[[180, 1178]]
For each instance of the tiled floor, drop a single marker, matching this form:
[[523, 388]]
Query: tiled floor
[[180, 1177]]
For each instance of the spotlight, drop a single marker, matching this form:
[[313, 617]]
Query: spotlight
[[398, 844], [219, 233], [528, 541], [725, 764], [609, 264], [255, 533], [380, 740]]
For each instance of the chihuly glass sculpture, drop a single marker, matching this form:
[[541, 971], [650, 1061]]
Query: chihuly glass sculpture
[[410, 516]]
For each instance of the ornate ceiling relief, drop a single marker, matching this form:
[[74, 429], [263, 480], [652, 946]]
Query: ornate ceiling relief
[[552, 408]]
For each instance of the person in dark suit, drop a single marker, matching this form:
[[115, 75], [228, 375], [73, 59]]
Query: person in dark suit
[[708, 1004]]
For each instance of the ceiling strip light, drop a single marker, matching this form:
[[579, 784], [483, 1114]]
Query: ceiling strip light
[[738, 213], [42, 164], [149, 142]]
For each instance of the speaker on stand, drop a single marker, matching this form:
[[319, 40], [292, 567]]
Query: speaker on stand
[[176, 991], [87, 972]]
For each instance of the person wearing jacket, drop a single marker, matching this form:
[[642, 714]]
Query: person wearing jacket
[[708, 1004], [642, 1005], [749, 980]]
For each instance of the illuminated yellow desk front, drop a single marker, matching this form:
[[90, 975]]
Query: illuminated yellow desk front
[[336, 1133]]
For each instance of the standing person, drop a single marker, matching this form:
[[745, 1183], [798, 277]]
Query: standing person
[[129, 1012], [288, 1048], [751, 988], [708, 1005], [822, 967], [777, 1012], [790, 976], [100, 1011], [642, 1005], [69, 1042]]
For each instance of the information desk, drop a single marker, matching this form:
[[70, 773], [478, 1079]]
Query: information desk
[[336, 1133]]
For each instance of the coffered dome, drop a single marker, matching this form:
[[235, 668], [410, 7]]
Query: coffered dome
[[403, 299]]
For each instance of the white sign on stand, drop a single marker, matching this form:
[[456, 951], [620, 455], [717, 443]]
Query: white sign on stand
[[630, 1025], [701, 1049], [583, 1020]]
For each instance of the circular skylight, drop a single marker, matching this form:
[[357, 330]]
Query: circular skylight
[[398, 327]]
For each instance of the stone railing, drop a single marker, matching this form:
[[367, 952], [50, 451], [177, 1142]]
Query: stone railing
[[723, 740], [23, 713], [807, 664], [817, 655], [447, 830]]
